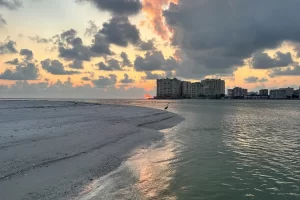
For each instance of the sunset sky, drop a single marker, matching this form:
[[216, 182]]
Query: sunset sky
[[118, 48]]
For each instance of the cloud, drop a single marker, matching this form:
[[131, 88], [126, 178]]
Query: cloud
[[125, 60], [40, 40], [25, 71], [254, 79], [120, 31], [297, 49], [28, 54], [104, 82], [154, 12], [146, 46], [262, 60], [12, 62], [10, 4], [127, 80], [8, 47], [155, 61], [59, 89], [68, 35], [92, 29], [263, 80], [71, 47], [56, 68], [77, 64], [100, 46], [152, 76], [117, 7], [223, 34], [112, 65], [2, 21], [288, 71], [85, 78]]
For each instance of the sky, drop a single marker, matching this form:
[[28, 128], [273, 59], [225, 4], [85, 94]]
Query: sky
[[118, 48]]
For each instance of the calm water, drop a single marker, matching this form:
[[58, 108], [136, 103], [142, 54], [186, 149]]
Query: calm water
[[224, 150]]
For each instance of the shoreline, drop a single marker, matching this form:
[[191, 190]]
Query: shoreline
[[51, 149]]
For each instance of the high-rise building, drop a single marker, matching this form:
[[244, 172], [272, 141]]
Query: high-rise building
[[252, 94], [296, 93], [213, 87], [186, 89], [196, 90], [264, 92], [282, 93], [168, 88], [174, 88], [237, 92]]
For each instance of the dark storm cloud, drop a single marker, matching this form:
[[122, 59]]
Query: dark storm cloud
[[152, 76], [12, 62], [76, 64], [216, 36], [74, 53], [288, 71], [104, 82], [146, 46], [71, 47], [126, 80], [117, 7], [125, 60], [28, 54], [68, 35], [112, 65], [120, 31], [8, 47], [10, 4], [100, 46], [262, 60], [56, 68], [26, 71], [155, 61], [254, 79]]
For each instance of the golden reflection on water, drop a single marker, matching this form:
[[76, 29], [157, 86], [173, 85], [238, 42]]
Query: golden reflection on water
[[146, 175], [154, 172]]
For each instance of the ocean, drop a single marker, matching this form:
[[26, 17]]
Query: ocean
[[224, 150]]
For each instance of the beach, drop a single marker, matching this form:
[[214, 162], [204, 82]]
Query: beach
[[52, 149]]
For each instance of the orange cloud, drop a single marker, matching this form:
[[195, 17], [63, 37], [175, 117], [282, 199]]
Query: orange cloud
[[153, 10]]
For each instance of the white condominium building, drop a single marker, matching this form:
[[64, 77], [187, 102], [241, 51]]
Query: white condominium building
[[186, 89], [237, 92], [213, 87], [264, 92], [174, 88], [168, 88], [196, 90], [281, 93]]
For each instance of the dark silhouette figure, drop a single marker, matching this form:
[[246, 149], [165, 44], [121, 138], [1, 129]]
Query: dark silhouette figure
[[167, 107]]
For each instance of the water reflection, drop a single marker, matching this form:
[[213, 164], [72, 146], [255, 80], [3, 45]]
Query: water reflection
[[146, 175], [223, 150]]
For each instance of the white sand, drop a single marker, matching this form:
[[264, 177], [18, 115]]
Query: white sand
[[50, 150]]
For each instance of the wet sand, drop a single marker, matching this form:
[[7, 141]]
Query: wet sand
[[51, 150]]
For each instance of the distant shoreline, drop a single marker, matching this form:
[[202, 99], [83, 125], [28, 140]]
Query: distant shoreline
[[223, 99]]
